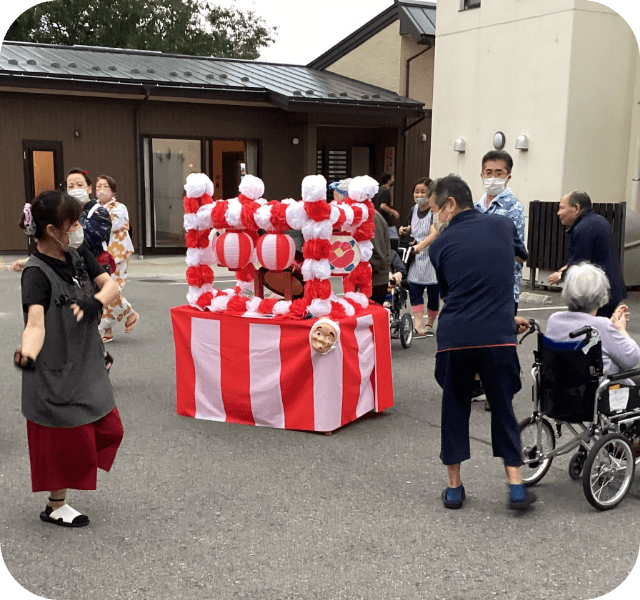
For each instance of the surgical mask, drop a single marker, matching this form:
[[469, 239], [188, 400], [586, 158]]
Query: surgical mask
[[103, 194], [80, 194], [493, 186], [75, 240], [421, 200]]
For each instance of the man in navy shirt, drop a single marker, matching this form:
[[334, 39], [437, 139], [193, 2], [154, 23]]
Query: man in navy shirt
[[591, 240], [473, 258]]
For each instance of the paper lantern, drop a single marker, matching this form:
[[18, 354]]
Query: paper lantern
[[276, 251], [234, 249]]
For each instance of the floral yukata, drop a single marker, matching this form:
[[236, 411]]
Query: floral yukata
[[507, 205], [120, 247]]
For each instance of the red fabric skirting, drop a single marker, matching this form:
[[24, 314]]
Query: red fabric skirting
[[69, 457]]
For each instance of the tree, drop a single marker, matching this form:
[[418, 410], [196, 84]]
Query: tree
[[192, 27]]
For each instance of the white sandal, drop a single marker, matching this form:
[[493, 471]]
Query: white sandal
[[64, 516]]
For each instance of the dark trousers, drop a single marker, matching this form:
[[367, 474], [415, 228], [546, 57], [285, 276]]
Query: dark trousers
[[499, 371], [607, 310], [379, 293], [416, 295]]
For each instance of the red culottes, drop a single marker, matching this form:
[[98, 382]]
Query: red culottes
[[69, 457]]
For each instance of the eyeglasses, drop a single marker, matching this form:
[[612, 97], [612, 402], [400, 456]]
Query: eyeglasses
[[497, 173]]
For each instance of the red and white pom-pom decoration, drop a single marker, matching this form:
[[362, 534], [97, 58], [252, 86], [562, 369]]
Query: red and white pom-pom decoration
[[234, 250], [276, 251], [239, 246], [198, 227], [357, 285]]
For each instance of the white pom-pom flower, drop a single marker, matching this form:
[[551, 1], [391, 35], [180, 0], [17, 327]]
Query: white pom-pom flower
[[313, 230], [207, 255], [283, 307], [348, 213], [219, 303], [314, 188], [190, 221], [316, 269], [348, 308], [358, 298], [193, 259], [252, 308], [252, 187], [320, 308], [366, 251], [296, 215], [263, 217], [198, 184], [204, 217], [363, 188], [232, 215]]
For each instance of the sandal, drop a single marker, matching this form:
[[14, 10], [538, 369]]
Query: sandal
[[417, 334], [106, 339], [128, 327], [65, 516]]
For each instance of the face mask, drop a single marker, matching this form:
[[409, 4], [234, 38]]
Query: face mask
[[421, 200], [80, 194], [493, 186], [75, 240], [103, 194]]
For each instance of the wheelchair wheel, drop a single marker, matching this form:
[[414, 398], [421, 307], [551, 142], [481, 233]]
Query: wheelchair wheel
[[608, 471], [406, 330], [534, 470], [576, 464]]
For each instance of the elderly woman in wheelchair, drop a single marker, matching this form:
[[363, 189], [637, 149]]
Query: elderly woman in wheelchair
[[585, 375]]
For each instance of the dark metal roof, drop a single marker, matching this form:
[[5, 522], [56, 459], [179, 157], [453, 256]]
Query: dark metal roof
[[417, 18], [290, 87]]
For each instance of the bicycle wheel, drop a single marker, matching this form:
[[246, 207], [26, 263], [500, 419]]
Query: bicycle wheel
[[406, 330], [535, 449], [608, 471]]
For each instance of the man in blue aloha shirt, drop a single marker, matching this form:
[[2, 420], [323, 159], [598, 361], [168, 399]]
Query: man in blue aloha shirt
[[499, 200]]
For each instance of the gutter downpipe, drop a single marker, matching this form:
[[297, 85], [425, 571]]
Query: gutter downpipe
[[406, 121], [147, 93], [635, 182]]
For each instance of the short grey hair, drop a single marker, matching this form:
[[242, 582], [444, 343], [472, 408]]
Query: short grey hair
[[431, 188], [586, 288]]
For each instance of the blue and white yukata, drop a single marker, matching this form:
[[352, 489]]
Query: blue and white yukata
[[507, 205]]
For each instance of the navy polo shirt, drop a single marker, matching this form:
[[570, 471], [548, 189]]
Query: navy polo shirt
[[591, 239], [473, 258]]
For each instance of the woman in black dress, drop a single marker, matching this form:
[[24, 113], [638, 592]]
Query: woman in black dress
[[73, 426]]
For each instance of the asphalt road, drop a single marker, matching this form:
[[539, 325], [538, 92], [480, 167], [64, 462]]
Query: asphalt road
[[199, 509]]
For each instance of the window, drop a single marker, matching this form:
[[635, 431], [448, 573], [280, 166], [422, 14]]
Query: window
[[467, 4]]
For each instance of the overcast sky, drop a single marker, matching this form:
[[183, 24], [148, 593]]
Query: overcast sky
[[297, 42]]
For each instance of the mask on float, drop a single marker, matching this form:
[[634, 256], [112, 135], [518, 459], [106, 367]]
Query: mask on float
[[324, 336]]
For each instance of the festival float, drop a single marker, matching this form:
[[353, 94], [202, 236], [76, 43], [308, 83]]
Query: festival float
[[304, 358]]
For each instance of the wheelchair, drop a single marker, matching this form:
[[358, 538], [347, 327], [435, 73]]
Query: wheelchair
[[400, 325], [571, 394]]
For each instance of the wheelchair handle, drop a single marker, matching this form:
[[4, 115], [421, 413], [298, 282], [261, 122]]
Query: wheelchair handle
[[533, 327], [582, 331]]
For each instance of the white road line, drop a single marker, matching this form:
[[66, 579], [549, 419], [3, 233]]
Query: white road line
[[542, 308]]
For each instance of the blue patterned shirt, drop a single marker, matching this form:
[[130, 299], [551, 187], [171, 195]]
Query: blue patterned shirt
[[508, 205]]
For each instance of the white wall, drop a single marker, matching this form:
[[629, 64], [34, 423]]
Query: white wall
[[496, 70], [604, 59], [562, 71]]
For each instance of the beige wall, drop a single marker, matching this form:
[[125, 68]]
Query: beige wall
[[511, 77], [561, 71], [601, 90], [376, 61], [421, 71], [633, 163]]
